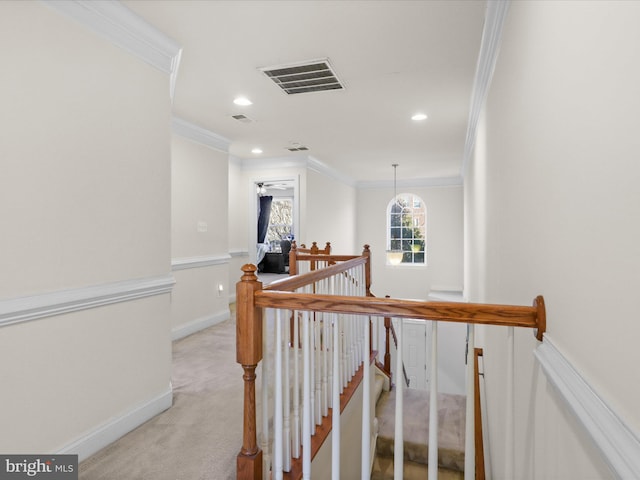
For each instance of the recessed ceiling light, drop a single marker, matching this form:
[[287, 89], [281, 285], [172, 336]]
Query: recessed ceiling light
[[244, 101], [419, 116], [256, 150]]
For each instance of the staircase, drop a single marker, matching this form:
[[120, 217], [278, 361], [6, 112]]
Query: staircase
[[451, 423]]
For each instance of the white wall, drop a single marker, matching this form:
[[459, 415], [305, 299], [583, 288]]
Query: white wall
[[444, 270], [238, 223], [331, 214], [84, 202], [199, 236], [555, 183]]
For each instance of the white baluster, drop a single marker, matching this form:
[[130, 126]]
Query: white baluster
[[331, 344], [266, 459], [306, 401], [287, 395], [366, 406], [469, 441], [295, 438], [509, 436], [317, 355], [325, 365], [312, 371], [433, 404], [398, 454], [335, 413], [277, 401]]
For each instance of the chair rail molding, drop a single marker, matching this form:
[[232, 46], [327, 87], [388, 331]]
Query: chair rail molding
[[198, 262], [122, 27], [619, 445], [24, 309]]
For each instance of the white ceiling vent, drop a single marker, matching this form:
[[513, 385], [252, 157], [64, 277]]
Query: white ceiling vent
[[311, 76]]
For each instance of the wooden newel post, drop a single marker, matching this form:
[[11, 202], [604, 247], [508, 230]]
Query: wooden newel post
[[367, 269], [249, 354], [293, 259]]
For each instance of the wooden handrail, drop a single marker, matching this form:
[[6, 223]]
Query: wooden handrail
[[296, 253], [476, 313], [292, 283]]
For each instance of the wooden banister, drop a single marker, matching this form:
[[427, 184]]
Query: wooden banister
[[476, 313], [292, 283], [302, 253], [251, 298]]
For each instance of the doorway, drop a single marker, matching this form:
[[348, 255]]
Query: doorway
[[279, 222]]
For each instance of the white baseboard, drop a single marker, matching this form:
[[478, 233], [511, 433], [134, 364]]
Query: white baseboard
[[619, 445], [199, 324], [116, 428]]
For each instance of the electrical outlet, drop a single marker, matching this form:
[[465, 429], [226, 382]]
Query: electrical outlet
[[202, 227]]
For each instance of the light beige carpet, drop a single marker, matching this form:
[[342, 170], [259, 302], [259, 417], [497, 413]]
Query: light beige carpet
[[451, 427], [199, 437]]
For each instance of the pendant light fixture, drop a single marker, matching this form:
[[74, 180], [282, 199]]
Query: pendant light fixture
[[394, 256]]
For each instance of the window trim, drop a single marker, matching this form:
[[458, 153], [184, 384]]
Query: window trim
[[423, 208]]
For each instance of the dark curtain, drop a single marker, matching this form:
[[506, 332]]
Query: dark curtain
[[263, 217]]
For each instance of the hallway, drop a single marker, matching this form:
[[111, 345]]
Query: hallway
[[199, 437]]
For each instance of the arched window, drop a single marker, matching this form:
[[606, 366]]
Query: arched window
[[407, 229]]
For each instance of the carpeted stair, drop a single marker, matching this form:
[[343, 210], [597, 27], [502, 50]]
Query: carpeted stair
[[451, 426]]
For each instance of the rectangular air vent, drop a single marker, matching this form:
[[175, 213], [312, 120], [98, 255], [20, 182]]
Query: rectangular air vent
[[242, 118], [313, 76], [297, 149]]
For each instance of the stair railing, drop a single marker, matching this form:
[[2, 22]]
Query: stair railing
[[348, 318], [327, 370]]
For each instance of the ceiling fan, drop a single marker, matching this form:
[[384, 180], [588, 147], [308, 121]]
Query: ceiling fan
[[277, 186], [262, 187]]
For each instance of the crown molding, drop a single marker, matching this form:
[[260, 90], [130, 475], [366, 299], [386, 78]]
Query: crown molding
[[198, 262], [317, 166], [199, 135], [414, 183], [25, 309], [489, 47], [113, 21], [619, 445]]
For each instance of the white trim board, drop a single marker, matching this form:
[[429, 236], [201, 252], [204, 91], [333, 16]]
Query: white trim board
[[25, 309], [619, 445], [117, 427], [495, 16], [414, 183], [199, 324], [200, 135], [198, 262], [122, 27]]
